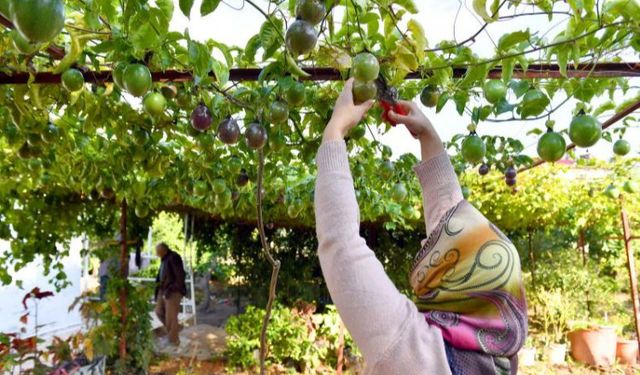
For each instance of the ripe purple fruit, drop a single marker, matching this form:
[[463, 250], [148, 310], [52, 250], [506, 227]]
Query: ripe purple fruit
[[256, 136], [510, 181], [201, 118], [510, 173], [483, 170], [229, 131]]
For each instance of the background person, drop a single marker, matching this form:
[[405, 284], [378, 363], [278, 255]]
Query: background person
[[170, 288]]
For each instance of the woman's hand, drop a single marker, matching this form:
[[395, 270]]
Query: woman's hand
[[346, 115], [416, 121], [420, 127]]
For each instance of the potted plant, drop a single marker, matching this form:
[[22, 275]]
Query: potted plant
[[527, 355], [593, 343], [553, 315], [627, 351]]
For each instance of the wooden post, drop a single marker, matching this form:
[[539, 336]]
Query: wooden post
[[626, 232], [124, 265]]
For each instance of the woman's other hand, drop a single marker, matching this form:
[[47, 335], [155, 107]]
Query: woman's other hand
[[346, 114]]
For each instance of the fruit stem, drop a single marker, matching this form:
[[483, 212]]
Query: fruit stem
[[275, 264]]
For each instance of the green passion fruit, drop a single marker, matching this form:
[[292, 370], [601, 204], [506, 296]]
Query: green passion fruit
[[296, 94], [154, 103], [72, 80], [551, 146], [399, 192], [621, 147], [39, 21], [494, 90], [612, 191], [630, 186], [137, 79], [312, 11], [278, 112], [301, 38], [585, 130], [169, 91], [363, 91], [430, 96], [365, 67], [473, 149]]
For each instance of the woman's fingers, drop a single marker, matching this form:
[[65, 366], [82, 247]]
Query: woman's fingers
[[397, 118]]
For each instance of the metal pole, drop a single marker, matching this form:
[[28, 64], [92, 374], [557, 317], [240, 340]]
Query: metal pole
[[626, 231], [124, 265]]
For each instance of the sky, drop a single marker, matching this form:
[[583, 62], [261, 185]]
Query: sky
[[235, 27]]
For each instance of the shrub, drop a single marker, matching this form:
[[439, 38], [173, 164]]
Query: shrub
[[297, 338]]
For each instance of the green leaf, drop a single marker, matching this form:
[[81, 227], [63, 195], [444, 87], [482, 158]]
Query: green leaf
[[444, 98], [519, 87], [461, 98], [563, 56], [166, 6], [208, 6], [480, 7], [221, 71], [509, 40], [185, 7], [507, 69], [409, 5], [503, 106]]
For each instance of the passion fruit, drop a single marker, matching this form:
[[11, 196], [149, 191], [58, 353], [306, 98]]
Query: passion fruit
[[278, 112], [585, 130], [72, 80], [154, 103], [201, 118], [312, 11], [301, 38], [255, 136], [137, 79], [39, 21], [399, 192], [296, 94], [473, 149], [430, 96], [621, 147], [494, 90], [551, 146], [229, 131], [363, 91], [365, 67]]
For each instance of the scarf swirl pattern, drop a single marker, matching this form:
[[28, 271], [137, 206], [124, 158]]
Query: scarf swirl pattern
[[467, 281]]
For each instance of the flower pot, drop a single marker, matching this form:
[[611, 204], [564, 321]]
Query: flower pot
[[596, 347], [527, 357], [556, 354], [627, 352]]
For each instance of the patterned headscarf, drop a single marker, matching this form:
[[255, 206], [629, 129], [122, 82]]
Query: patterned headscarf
[[467, 282]]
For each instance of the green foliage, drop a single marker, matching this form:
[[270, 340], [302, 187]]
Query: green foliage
[[297, 339], [104, 337]]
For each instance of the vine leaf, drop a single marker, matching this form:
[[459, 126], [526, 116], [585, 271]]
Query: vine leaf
[[208, 6], [509, 40], [185, 7], [480, 7]]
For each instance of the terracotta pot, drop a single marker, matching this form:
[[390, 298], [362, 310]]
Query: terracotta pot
[[527, 357], [556, 354], [596, 347], [627, 352]]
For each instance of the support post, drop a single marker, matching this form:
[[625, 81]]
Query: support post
[[124, 265], [626, 232]]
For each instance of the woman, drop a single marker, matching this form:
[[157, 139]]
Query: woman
[[469, 313]]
